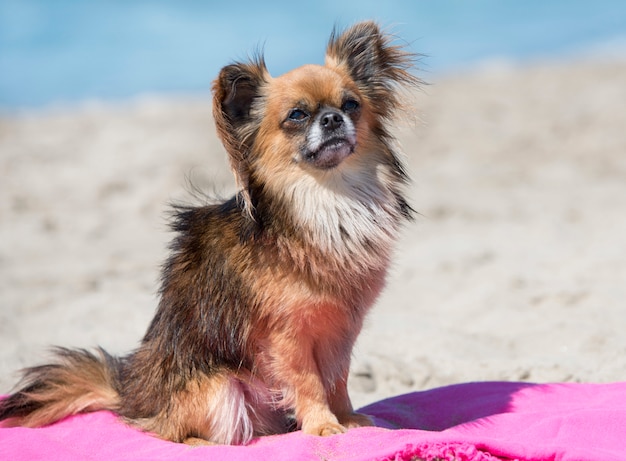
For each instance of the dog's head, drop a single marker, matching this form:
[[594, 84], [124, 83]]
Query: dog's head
[[314, 120]]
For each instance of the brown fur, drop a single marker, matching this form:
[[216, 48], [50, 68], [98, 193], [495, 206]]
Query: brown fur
[[264, 295]]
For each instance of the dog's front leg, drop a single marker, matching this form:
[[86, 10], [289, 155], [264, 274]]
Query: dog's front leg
[[298, 375], [340, 404]]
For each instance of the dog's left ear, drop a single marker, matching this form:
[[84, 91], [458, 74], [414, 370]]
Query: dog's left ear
[[375, 65], [236, 91]]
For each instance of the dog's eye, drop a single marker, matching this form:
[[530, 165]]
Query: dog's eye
[[297, 115], [350, 105]]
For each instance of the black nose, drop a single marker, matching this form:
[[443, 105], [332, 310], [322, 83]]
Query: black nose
[[331, 120]]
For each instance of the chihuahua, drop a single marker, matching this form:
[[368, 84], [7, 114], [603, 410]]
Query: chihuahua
[[264, 294]]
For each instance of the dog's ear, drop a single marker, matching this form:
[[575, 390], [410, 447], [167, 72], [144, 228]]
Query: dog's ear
[[375, 65], [236, 94]]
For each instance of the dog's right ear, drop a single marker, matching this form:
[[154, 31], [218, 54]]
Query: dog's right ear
[[236, 97], [375, 64]]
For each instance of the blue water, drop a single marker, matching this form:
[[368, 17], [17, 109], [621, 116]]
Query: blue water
[[65, 51]]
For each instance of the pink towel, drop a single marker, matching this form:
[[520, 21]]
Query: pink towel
[[476, 421]]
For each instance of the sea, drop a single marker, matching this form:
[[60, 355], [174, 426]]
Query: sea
[[70, 51]]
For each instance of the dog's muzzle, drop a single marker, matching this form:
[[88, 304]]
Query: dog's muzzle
[[331, 139]]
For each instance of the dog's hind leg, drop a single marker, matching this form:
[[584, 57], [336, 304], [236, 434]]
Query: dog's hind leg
[[223, 408]]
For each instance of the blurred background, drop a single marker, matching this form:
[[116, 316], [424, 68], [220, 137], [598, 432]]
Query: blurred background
[[67, 51]]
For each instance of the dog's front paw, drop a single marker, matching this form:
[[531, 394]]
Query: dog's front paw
[[197, 442], [356, 420], [324, 429]]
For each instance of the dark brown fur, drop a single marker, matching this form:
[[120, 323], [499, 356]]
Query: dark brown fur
[[264, 294]]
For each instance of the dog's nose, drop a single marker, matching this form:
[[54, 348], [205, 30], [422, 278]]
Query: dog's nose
[[331, 120]]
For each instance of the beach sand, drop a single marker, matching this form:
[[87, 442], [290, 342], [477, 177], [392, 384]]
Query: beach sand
[[514, 268]]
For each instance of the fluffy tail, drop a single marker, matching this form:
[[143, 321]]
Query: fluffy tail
[[78, 381]]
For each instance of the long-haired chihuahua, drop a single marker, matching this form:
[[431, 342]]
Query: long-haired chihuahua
[[264, 294]]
